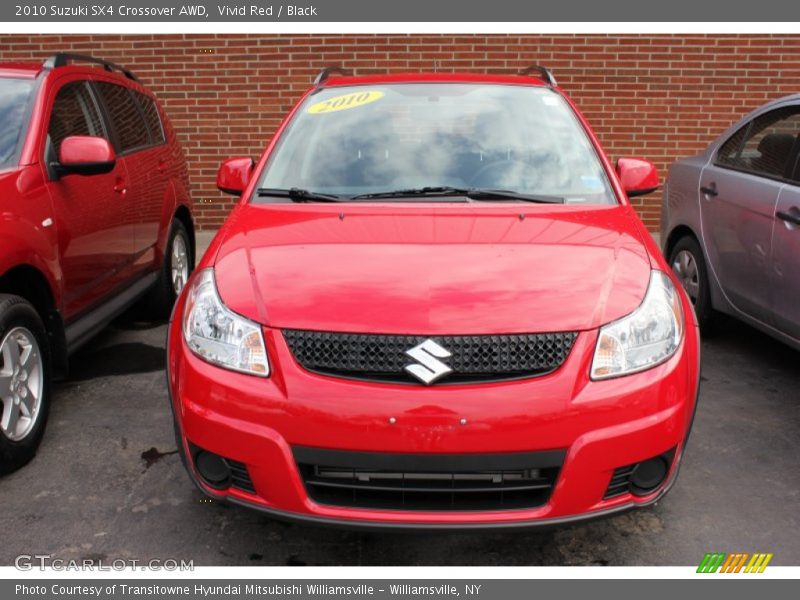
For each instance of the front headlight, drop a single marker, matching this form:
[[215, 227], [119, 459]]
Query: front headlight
[[646, 337], [218, 335]]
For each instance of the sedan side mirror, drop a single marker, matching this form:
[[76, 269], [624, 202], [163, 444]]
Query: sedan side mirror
[[234, 175], [85, 155], [637, 176]]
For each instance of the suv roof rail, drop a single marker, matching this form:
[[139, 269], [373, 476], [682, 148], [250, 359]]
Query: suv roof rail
[[545, 74], [539, 71], [62, 59], [327, 72]]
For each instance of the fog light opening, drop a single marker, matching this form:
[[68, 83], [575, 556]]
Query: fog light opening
[[650, 474], [213, 469]]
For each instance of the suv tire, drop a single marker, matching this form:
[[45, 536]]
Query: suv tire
[[178, 265], [24, 382]]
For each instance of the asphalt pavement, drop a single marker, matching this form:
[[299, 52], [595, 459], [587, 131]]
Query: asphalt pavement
[[107, 482]]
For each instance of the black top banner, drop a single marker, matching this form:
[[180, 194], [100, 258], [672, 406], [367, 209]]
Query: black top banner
[[339, 11]]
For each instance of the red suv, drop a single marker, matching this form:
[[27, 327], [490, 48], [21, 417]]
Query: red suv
[[96, 214], [434, 306]]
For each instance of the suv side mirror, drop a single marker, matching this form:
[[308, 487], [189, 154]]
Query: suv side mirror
[[85, 155], [637, 176], [234, 175]]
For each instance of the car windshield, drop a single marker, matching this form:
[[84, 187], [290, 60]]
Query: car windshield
[[434, 138], [14, 94]]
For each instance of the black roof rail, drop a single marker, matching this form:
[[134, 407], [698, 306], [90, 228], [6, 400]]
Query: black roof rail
[[540, 72], [327, 72], [61, 59]]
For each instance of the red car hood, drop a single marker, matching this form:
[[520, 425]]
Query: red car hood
[[429, 269]]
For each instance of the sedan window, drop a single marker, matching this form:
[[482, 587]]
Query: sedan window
[[765, 145]]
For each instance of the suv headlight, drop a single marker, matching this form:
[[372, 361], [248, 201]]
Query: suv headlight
[[218, 335], [646, 337]]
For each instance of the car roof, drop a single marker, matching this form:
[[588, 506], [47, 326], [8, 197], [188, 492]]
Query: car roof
[[791, 98], [32, 70], [20, 70], [479, 78]]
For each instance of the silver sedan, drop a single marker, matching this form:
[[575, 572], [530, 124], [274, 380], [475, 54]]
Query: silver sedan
[[730, 223]]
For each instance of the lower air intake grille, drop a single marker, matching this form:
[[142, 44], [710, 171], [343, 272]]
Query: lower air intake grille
[[620, 482], [473, 358], [434, 482], [640, 478], [240, 478]]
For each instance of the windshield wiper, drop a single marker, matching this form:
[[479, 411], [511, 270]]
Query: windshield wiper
[[481, 194], [471, 193], [297, 195], [411, 192], [488, 194]]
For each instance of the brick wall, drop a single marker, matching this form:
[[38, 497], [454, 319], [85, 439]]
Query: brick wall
[[660, 97]]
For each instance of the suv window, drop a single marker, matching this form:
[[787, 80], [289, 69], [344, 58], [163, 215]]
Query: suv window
[[765, 145], [126, 117], [74, 113], [14, 97], [152, 118]]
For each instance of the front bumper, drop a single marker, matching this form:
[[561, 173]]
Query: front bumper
[[601, 426]]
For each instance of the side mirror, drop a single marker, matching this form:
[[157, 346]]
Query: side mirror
[[234, 175], [637, 176], [85, 155]]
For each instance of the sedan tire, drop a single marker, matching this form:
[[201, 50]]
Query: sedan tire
[[689, 265]]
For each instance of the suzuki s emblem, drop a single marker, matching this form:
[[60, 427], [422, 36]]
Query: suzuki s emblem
[[428, 367]]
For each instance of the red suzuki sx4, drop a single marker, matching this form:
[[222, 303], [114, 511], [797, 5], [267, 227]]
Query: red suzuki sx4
[[434, 306]]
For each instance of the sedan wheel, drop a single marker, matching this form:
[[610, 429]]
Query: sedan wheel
[[688, 263], [685, 267], [21, 383]]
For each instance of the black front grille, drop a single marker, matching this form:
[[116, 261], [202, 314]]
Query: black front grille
[[435, 482], [475, 358]]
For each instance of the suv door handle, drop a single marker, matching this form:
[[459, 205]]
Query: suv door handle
[[710, 190], [793, 218], [120, 186]]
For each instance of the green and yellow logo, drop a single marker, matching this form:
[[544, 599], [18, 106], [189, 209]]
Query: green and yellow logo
[[738, 562]]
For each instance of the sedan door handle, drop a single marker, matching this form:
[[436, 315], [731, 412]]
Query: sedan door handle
[[793, 218], [710, 189], [120, 186]]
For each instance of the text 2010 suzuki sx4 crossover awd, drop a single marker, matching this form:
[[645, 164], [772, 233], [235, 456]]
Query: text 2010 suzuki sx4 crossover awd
[[434, 306]]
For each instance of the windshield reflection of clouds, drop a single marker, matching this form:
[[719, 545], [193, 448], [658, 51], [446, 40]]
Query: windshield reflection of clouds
[[491, 136], [13, 100]]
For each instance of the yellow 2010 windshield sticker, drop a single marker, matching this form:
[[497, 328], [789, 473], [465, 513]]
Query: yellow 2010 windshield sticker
[[345, 102]]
